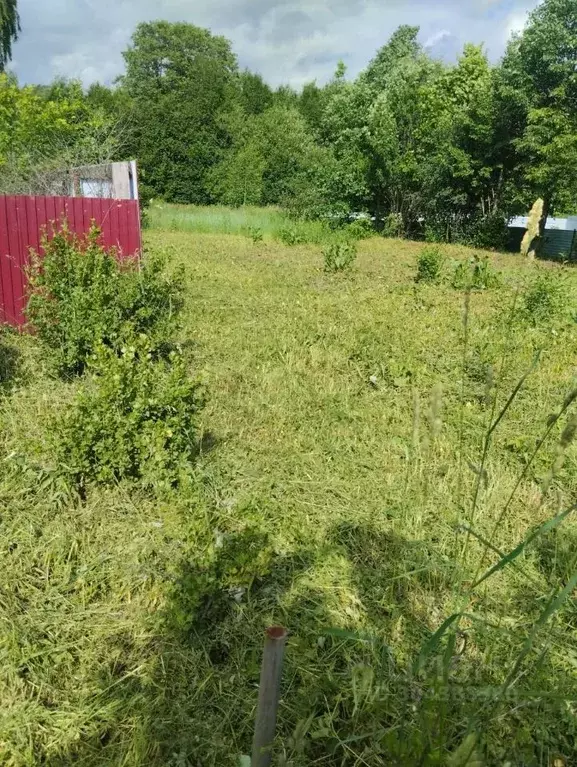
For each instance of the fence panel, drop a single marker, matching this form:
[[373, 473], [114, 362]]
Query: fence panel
[[23, 220]]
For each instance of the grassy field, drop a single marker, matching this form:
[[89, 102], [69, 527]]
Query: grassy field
[[214, 219], [350, 487]]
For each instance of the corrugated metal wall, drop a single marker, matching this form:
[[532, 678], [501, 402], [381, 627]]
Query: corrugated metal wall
[[557, 244], [23, 221]]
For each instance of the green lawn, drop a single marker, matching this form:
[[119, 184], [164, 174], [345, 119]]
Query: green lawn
[[339, 477]]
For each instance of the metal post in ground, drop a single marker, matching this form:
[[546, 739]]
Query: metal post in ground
[[268, 696]]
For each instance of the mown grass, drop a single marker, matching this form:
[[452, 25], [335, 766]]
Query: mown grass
[[334, 491], [214, 219]]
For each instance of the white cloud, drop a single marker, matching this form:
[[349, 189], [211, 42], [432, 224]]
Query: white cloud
[[286, 40], [516, 22], [438, 37]]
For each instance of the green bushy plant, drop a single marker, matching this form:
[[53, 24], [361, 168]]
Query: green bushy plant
[[255, 233], [290, 235], [435, 230], [360, 229], [81, 294], [490, 232], [393, 225], [134, 417], [339, 256], [545, 298], [430, 264], [475, 274]]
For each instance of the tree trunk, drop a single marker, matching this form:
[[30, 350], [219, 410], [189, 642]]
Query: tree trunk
[[378, 212]]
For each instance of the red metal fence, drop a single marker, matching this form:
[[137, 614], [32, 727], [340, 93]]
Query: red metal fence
[[23, 221]]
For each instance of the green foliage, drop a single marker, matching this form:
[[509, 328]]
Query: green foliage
[[81, 294], [339, 256], [360, 229], [489, 232], [255, 95], [545, 299], [430, 264], [291, 235], [46, 130], [435, 230], [269, 155], [238, 179], [134, 417], [30, 123], [180, 79], [475, 274], [256, 234], [539, 82], [445, 151], [393, 225], [9, 29], [401, 47]]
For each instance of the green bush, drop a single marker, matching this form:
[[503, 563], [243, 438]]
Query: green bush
[[436, 230], [360, 229], [487, 232], [545, 299], [255, 233], [134, 417], [290, 235], [81, 294], [490, 232], [339, 256], [475, 274], [393, 225], [429, 264]]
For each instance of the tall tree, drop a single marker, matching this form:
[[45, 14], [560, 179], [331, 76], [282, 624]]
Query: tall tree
[[9, 29], [271, 153], [255, 94], [180, 78], [541, 67], [402, 45], [311, 104], [388, 125], [475, 182]]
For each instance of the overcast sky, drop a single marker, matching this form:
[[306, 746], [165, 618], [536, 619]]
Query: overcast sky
[[284, 40]]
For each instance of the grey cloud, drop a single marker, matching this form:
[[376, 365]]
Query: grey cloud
[[286, 40]]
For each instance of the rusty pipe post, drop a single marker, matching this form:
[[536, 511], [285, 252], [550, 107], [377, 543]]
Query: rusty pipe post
[[268, 696]]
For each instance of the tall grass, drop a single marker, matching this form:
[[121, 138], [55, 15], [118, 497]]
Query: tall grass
[[215, 219]]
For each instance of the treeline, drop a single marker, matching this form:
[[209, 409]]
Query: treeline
[[449, 152]]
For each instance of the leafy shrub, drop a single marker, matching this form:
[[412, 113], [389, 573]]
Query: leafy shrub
[[360, 229], [436, 230], [545, 299], [339, 256], [475, 274], [490, 232], [134, 417], [218, 572], [393, 225], [255, 233], [290, 235], [429, 264], [81, 294]]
